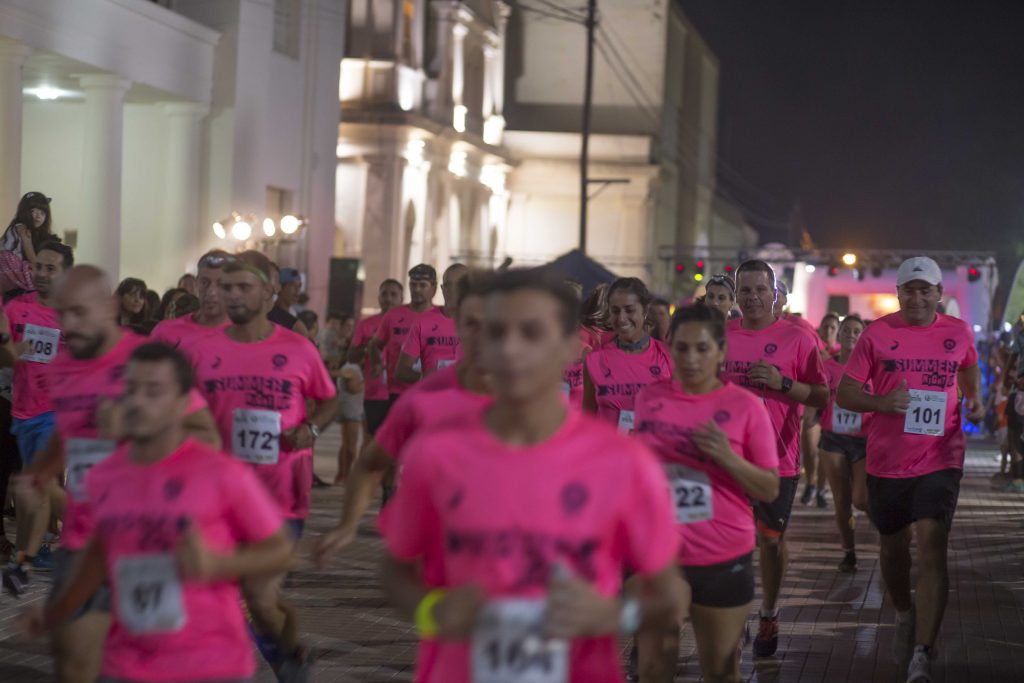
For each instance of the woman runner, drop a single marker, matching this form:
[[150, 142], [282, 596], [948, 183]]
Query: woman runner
[[717, 445]]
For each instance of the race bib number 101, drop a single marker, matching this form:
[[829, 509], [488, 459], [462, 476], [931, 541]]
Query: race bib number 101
[[926, 414], [509, 645]]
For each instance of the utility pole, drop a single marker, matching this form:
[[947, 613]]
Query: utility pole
[[588, 94]]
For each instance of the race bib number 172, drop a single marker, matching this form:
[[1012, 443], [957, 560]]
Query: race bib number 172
[[256, 436]]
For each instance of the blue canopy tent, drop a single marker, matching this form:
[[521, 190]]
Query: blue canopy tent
[[585, 270]]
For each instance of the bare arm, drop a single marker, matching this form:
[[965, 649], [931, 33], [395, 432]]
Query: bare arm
[[92, 572], [201, 426], [269, 556], [851, 396], [404, 372]]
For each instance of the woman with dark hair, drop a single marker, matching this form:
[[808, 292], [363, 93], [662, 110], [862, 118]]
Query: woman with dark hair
[[29, 229], [169, 298], [131, 295], [614, 374], [717, 445]]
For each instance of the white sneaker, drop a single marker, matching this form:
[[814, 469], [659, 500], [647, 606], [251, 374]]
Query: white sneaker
[[920, 670], [903, 639]]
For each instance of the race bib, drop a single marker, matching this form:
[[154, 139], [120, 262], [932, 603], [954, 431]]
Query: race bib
[[691, 493], [509, 645], [256, 436], [149, 597], [81, 455], [627, 419], [845, 421], [42, 343], [926, 414], [442, 364]]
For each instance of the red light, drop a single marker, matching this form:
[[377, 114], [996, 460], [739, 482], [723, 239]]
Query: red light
[[680, 267], [729, 269], [833, 271], [973, 274], [700, 263]]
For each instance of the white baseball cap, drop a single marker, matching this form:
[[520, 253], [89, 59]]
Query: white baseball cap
[[919, 268]]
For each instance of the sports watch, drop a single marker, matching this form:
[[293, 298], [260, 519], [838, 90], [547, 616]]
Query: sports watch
[[787, 385]]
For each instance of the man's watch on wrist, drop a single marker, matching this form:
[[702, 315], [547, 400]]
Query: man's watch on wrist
[[787, 385]]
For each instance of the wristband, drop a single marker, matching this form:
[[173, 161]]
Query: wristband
[[426, 624], [629, 617]]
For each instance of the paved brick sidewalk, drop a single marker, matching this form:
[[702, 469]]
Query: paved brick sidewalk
[[834, 627]]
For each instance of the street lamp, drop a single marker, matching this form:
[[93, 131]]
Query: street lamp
[[850, 259], [240, 227]]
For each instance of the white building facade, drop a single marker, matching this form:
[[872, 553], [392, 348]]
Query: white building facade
[[653, 144], [421, 168], [149, 121]]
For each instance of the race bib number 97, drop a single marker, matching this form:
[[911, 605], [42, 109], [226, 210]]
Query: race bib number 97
[[256, 436], [149, 597], [926, 414], [509, 645], [42, 343]]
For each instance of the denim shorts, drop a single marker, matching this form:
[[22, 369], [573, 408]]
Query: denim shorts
[[32, 434]]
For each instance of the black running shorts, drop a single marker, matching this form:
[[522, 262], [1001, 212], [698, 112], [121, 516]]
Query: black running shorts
[[895, 504], [855, 448], [727, 584], [773, 518]]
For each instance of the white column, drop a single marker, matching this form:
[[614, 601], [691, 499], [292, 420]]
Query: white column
[[179, 236], [12, 56], [99, 233], [458, 77]]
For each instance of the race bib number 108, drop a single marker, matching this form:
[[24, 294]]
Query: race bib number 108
[[42, 343]]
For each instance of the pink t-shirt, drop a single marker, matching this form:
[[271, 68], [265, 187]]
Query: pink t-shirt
[[502, 516], [375, 388], [142, 510], [713, 515], [849, 423], [794, 352], [257, 392], [422, 407], [393, 331], [445, 378], [182, 333], [928, 438], [77, 388], [31, 378], [433, 341], [618, 377], [572, 378], [806, 326]]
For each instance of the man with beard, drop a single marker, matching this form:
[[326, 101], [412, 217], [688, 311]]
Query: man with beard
[[257, 377], [84, 381]]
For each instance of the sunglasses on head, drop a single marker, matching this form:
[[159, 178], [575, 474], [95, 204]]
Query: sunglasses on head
[[217, 260]]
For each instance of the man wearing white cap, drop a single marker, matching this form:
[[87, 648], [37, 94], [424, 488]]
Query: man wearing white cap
[[918, 361]]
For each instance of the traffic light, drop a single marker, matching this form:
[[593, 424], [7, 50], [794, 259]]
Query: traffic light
[[729, 269], [680, 268], [973, 274], [699, 274]]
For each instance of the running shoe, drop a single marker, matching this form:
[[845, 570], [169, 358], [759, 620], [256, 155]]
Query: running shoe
[[1014, 487], [920, 669], [767, 640], [903, 640], [808, 495], [15, 580], [298, 668], [820, 500], [43, 561], [849, 563]]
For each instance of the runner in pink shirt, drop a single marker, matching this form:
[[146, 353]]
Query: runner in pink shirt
[[572, 378], [720, 294], [715, 442], [918, 362], [83, 379], [433, 342], [534, 512], [177, 525], [815, 474], [187, 331], [843, 446], [30, 339], [615, 373], [257, 376], [375, 389], [779, 363], [386, 345], [447, 394]]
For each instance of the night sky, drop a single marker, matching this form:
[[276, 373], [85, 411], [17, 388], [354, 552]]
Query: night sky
[[894, 124]]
